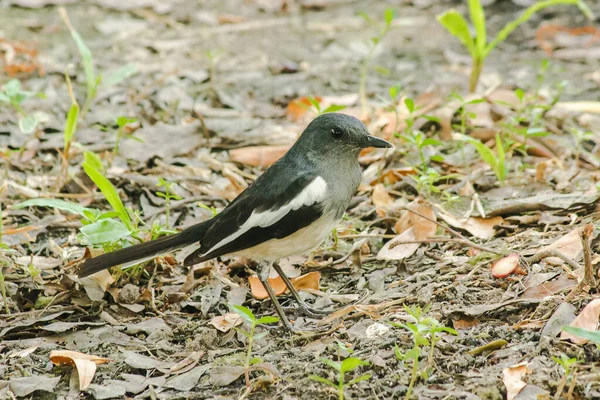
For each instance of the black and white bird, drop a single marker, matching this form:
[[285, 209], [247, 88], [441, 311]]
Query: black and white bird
[[290, 209]]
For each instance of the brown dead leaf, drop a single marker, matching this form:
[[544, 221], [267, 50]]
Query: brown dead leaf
[[395, 249], [85, 364], [482, 228], [296, 108], [381, 200], [512, 379], [393, 175], [423, 228], [466, 322], [258, 156], [224, 323], [570, 245], [587, 319], [507, 265], [307, 281]]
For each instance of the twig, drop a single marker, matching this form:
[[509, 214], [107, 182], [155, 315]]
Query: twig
[[585, 235], [572, 386], [553, 253], [459, 238]]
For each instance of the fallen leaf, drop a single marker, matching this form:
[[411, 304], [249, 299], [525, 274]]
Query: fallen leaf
[[307, 281], [424, 229], [506, 265], [22, 387], [393, 175], [570, 245], [482, 228], [512, 379], [258, 156], [587, 319], [381, 200], [297, 108], [395, 249], [226, 374], [225, 322], [85, 364]]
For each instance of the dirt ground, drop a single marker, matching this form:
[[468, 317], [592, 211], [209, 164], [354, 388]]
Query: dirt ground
[[209, 79]]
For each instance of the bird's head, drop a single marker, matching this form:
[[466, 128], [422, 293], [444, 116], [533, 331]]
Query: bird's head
[[335, 133]]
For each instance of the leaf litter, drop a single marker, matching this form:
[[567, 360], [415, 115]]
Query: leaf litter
[[210, 124]]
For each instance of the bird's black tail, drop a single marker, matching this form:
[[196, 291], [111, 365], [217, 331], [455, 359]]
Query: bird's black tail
[[144, 251]]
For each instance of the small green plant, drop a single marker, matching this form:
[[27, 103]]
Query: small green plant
[[168, 195], [121, 124], [388, 17], [342, 367], [13, 95], [93, 80], [498, 161], [566, 363], [249, 318], [479, 48], [424, 331]]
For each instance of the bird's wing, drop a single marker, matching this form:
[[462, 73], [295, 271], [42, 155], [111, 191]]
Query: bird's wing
[[275, 206]]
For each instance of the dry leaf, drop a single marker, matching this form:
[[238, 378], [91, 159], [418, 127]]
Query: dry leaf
[[307, 281], [512, 379], [423, 228], [393, 175], [396, 250], [381, 200], [482, 228], [85, 364], [297, 108], [587, 319], [224, 323], [258, 156], [507, 265], [570, 245]]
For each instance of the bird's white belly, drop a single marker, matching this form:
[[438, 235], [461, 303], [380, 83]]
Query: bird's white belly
[[300, 242]]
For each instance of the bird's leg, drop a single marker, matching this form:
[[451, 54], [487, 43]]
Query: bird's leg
[[263, 276], [311, 312]]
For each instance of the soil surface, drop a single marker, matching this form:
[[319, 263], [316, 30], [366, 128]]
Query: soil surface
[[207, 80]]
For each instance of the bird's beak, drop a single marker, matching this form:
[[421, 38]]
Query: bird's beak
[[374, 141]]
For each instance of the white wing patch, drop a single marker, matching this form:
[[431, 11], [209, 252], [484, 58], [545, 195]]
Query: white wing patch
[[316, 191]]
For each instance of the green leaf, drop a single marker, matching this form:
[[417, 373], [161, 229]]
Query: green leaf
[[360, 379], [335, 365], [410, 105], [431, 142], [267, 319], [437, 158], [351, 363], [520, 93], [315, 103], [244, 312], [110, 194], [88, 63], [457, 25], [501, 165], [28, 123], [594, 336], [388, 16], [71, 123], [366, 17], [261, 335], [256, 360], [399, 355], [119, 76], [103, 231], [322, 380], [68, 206], [333, 108], [12, 87], [4, 98], [92, 159], [528, 13], [478, 20]]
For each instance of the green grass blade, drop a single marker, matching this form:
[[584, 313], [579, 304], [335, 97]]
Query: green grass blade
[[478, 20], [71, 124], [594, 336], [110, 193], [457, 25], [528, 13], [68, 206]]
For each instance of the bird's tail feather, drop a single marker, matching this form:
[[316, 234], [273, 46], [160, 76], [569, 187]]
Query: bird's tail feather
[[144, 251]]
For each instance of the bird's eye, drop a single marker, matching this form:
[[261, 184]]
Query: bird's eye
[[337, 133]]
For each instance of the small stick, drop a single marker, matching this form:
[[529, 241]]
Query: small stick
[[459, 238], [586, 234], [553, 253]]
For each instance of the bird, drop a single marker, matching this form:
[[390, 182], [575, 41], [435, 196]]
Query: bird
[[288, 210]]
